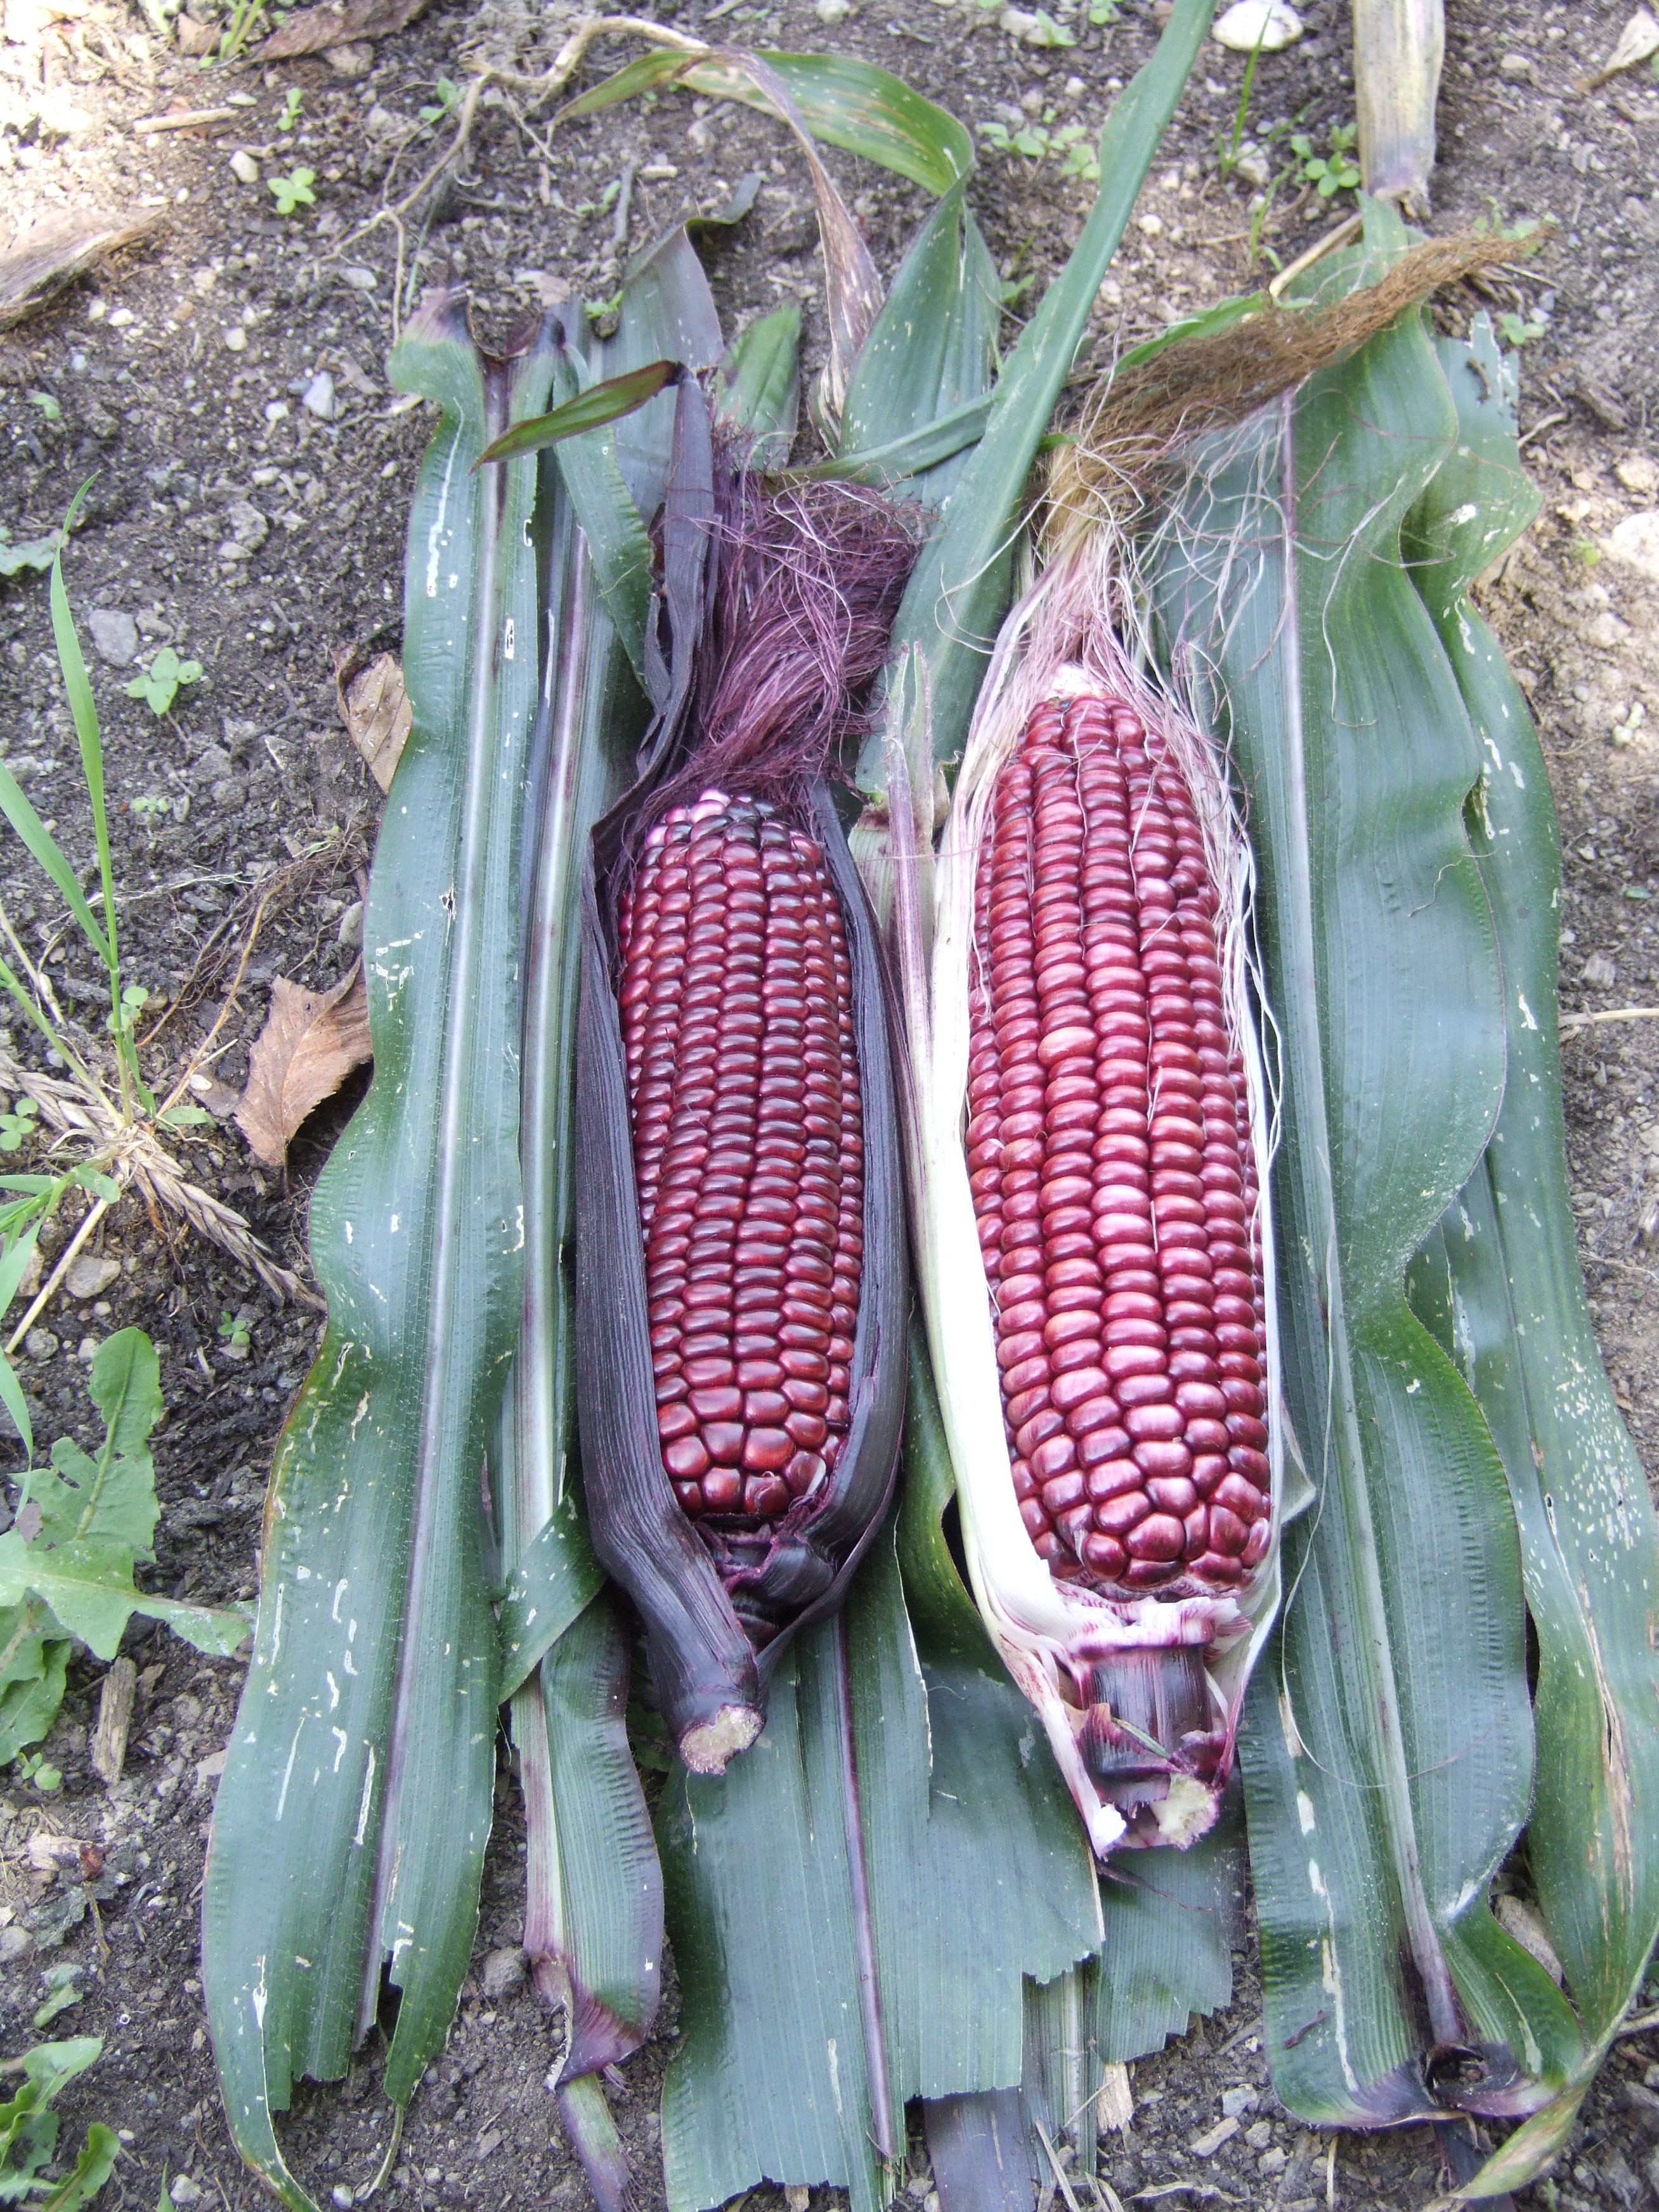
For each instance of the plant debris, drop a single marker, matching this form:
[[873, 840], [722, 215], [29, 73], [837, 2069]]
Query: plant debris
[[375, 709], [45, 257], [339, 23], [310, 1044]]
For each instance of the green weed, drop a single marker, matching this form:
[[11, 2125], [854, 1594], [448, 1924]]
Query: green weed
[[161, 682], [293, 191]]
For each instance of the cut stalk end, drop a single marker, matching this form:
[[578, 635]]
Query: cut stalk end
[[710, 1746]]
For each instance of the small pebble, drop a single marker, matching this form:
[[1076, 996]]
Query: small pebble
[[40, 1344], [90, 1276], [319, 400], [235, 338], [243, 165], [503, 1971], [350, 933], [114, 634], [86, 1351]]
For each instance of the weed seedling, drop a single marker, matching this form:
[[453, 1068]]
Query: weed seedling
[[449, 93], [234, 1332], [1518, 331], [161, 682], [1332, 173], [1227, 155], [19, 1126], [293, 191], [291, 107]]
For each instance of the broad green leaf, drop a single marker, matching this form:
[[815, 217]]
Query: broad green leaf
[[92, 2169], [618, 545], [1499, 1282], [50, 2068], [588, 409], [847, 103], [84, 1523], [959, 590], [925, 373], [33, 1665], [350, 1826], [757, 386], [1387, 1747]]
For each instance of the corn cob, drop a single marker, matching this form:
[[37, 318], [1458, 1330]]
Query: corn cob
[[1086, 1131], [1109, 1158], [740, 1282], [736, 1010]]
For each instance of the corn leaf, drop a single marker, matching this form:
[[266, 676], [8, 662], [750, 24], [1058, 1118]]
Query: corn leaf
[[919, 394], [349, 1831], [593, 1909], [1499, 1283], [1388, 1745], [961, 586], [587, 409], [851, 104], [757, 386], [976, 1877]]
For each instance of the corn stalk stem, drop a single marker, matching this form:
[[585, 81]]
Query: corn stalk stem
[[1399, 46], [882, 2130]]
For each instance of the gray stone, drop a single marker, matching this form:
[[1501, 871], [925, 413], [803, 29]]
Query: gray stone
[[115, 635], [503, 1971], [350, 933], [183, 2190], [212, 763], [244, 166], [40, 1344], [90, 1276], [230, 790], [14, 1941], [319, 398]]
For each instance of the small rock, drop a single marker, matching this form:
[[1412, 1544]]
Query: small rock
[[1207, 2144], [350, 932], [183, 2190], [359, 278], [488, 2141], [1253, 166], [503, 1971], [1152, 225], [319, 398], [243, 165], [351, 61], [1238, 2100], [1639, 472], [1271, 2161], [341, 2195], [212, 762], [90, 1276], [208, 1770], [1248, 24], [1516, 65], [40, 1344], [1636, 542], [230, 790], [86, 1351], [832, 11], [1600, 973], [1260, 2136], [14, 1941], [235, 338], [114, 634], [381, 122]]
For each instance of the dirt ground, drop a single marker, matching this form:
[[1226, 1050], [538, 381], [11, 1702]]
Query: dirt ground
[[225, 388]]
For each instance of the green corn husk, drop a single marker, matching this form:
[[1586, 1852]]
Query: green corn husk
[[1407, 904]]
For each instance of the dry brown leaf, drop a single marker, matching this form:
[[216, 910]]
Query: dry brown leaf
[[1637, 40], [339, 23], [375, 709], [52, 252], [310, 1044]]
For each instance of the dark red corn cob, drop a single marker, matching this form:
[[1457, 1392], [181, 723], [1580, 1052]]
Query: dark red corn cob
[[741, 1281], [748, 1127], [1113, 1174]]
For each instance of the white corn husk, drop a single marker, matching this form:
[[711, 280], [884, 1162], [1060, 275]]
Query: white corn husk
[[1062, 640]]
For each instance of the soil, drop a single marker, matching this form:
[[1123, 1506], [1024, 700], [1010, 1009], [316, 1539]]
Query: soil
[[251, 516]]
